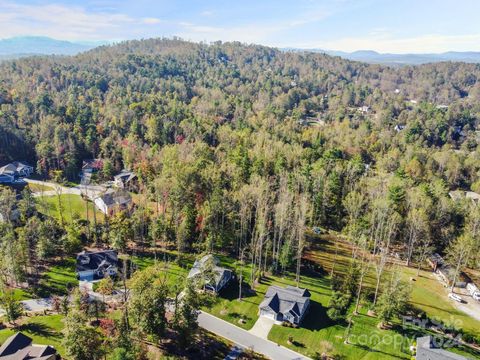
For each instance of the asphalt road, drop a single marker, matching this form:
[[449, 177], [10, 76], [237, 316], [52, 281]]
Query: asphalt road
[[246, 339], [91, 191]]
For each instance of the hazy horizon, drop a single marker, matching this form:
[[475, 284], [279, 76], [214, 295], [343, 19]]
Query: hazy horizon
[[406, 27]]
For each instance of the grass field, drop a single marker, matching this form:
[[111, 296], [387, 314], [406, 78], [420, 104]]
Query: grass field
[[428, 294], [73, 206], [59, 278], [39, 187], [44, 330], [318, 332]]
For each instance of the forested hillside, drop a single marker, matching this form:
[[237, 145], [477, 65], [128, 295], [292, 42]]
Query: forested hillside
[[209, 126], [242, 149]]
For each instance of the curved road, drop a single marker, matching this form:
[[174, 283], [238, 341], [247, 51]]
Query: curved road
[[220, 327], [246, 339], [91, 191]]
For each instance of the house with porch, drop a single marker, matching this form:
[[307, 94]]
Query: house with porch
[[216, 280], [113, 201], [289, 304], [96, 265]]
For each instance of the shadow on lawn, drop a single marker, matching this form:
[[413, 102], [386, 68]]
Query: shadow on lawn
[[230, 292], [39, 330], [371, 349], [317, 318]]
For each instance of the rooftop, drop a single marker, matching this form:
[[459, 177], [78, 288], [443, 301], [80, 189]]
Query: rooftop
[[93, 260], [20, 347], [427, 350], [284, 300]]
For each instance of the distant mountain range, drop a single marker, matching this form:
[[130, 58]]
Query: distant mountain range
[[374, 57], [41, 45]]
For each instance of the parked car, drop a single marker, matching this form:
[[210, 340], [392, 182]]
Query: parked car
[[476, 296], [455, 297]]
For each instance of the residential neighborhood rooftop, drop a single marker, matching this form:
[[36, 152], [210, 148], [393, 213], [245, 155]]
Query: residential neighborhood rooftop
[[92, 260], [21, 347], [286, 303], [221, 275], [427, 350]]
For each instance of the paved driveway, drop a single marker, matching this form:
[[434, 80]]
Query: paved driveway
[[91, 191], [37, 305], [262, 327], [247, 339]]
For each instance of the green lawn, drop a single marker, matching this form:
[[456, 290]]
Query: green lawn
[[59, 278], [428, 294], [73, 206], [318, 332], [44, 330], [39, 187], [56, 280]]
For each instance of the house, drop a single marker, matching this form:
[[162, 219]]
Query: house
[[435, 261], [124, 179], [220, 277], [458, 195], [474, 291], [13, 215], [364, 109], [21, 347], [8, 170], [92, 165], [113, 201], [447, 274], [6, 178], [287, 304], [16, 169], [22, 169], [96, 265], [429, 349]]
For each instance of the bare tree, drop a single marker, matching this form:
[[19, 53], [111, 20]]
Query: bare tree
[[300, 219]]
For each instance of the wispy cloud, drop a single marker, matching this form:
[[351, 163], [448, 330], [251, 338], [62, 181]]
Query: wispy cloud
[[328, 24], [65, 22], [151, 20], [264, 32]]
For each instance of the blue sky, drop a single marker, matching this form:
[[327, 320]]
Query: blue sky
[[400, 26]]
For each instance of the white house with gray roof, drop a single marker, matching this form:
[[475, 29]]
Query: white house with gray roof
[[113, 201], [219, 278], [96, 265], [288, 304]]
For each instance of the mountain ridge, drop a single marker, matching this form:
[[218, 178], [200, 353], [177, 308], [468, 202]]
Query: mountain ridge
[[374, 57], [21, 46]]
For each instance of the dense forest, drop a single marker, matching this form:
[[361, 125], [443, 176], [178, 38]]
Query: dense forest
[[241, 147]]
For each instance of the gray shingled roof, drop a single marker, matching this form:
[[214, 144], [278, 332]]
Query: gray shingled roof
[[20, 347], [125, 176], [116, 197], [199, 267], [96, 260], [426, 351], [285, 300]]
